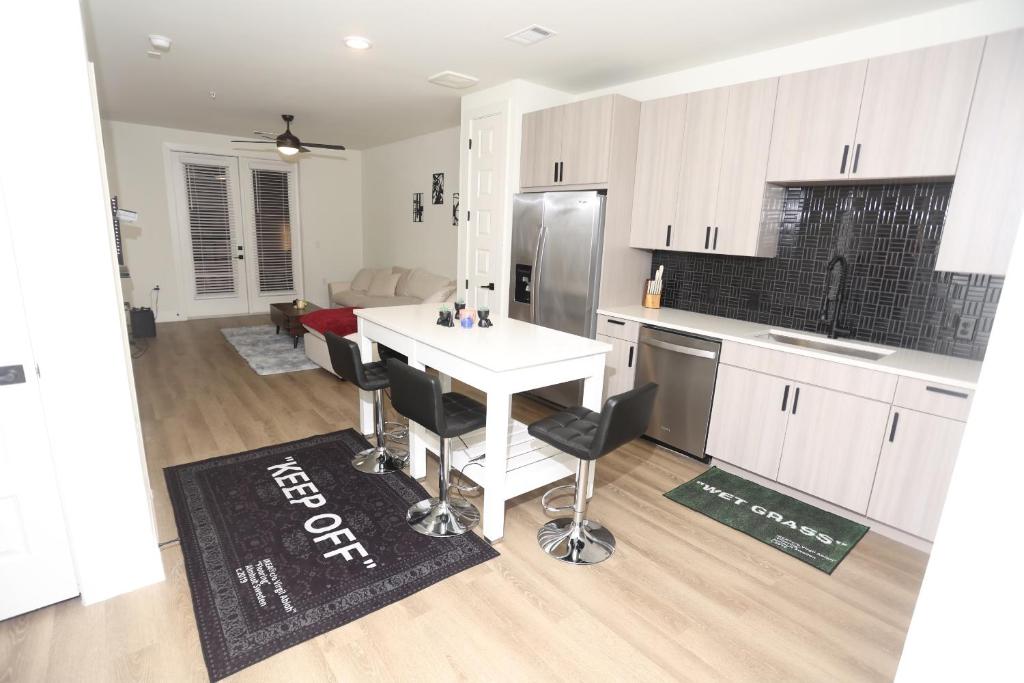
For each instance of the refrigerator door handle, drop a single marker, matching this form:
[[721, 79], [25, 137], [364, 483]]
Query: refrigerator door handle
[[535, 285]]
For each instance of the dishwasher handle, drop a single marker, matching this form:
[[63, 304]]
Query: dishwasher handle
[[676, 348]]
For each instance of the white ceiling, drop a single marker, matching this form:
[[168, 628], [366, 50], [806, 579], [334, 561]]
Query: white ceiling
[[264, 58]]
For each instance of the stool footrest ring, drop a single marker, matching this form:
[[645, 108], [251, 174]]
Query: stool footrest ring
[[558, 492]]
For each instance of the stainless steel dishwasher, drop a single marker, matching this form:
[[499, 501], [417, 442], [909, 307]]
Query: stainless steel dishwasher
[[684, 367]]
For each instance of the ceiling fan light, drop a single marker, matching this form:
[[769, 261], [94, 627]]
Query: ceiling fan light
[[287, 150]]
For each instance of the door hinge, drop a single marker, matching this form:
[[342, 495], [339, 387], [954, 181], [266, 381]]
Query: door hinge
[[38, 373], [467, 284], [471, 143]]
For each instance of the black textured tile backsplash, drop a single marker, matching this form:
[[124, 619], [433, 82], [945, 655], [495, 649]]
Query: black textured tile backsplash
[[890, 236]]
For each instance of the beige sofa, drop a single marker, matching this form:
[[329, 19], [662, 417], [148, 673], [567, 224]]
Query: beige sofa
[[371, 288]]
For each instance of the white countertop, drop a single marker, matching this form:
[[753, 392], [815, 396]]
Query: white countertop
[[509, 345], [931, 367]]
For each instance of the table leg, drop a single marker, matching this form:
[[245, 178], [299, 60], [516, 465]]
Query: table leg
[[295, 342], [365, 397], [496, 447], [446, 382], [417, 440], [593, 386]]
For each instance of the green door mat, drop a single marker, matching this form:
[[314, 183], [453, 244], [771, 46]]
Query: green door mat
[[819, 538]]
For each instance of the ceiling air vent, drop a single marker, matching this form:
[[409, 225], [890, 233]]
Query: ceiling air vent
[[531, 35], [453, 79]]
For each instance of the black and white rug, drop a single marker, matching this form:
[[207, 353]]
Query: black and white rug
[[287, 542], [266, 352]]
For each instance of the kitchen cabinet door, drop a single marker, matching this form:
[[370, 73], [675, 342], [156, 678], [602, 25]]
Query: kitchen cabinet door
[[620, 365], [741, 186], [914, 111], [586, 141], [832, 444], [697, 192], [815, 122], [748, 419], [986, 205], [914, 471], [541, 147], [658, 161]]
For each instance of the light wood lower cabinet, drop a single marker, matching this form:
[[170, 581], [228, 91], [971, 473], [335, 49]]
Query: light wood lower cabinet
[[831, 448], [620, 365], [914, 471], [748, 422]]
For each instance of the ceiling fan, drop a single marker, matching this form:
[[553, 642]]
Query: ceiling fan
[[287, 142]]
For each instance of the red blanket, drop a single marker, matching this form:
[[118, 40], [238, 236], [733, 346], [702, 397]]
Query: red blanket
[[340, 321]]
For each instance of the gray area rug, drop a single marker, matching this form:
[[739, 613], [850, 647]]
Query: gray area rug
[[268, 353]]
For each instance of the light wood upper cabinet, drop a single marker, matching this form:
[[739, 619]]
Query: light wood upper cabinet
[[658, 161], [741, 184], [541, 147], [914, 111], [815, 123], [986, 205], [914, 471], [832, 444], [586, 141], [748, 420], [697, 193]]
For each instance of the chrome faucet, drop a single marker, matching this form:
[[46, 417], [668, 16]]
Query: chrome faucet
[[835, 296]]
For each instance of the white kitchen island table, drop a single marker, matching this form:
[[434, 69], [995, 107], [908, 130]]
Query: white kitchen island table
[[510, 357]]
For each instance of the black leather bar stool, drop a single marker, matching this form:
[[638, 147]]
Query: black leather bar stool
[[393, 430], [418, 396], [588, 436], [347, 363]]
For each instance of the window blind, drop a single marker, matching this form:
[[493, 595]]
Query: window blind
[[272, 221], [208, 190]]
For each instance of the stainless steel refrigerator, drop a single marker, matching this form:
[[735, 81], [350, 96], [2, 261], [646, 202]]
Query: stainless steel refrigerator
[[556, 268]]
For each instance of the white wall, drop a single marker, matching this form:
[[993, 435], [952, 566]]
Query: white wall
[[391, 174], [330, 205], [946, 25]]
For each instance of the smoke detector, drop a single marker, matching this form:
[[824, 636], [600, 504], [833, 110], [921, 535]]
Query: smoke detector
[[453, 79], [160, 44], [531, 35]]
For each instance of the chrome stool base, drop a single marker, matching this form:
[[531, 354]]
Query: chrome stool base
[[585, 542], [380, 460], [435, 517]]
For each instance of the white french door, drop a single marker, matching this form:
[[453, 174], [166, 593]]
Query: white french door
[[35, 559], [238, 233]]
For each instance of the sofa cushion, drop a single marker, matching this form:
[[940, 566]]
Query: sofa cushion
[[422, 283], [361, 282], [349, 298], [380, 301], [383, 283], [441, 296]]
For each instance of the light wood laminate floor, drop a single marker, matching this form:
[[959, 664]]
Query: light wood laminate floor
[[683, 598]]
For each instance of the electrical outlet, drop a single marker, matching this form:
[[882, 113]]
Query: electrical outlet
[[965, 328]]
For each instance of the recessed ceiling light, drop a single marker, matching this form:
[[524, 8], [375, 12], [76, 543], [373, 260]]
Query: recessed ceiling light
[[453, 79], [531, 35], [358, 43]]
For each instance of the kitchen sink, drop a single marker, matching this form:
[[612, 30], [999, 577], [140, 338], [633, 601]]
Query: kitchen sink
[[831, 346]]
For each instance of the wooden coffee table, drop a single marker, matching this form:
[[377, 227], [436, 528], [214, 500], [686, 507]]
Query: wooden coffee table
[[286, 317]]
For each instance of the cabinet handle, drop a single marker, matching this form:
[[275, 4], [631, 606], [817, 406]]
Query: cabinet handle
[[561, 171], [856, 158], [892, 432], [630, 363], [668, 236], [785, 398], [947, 392], [796, 399], [707, 237], [714, 245], [555, 179], [846, 153], [616, 322]]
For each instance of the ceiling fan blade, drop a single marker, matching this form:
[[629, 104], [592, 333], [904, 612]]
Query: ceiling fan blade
[[263, 134], [303, 148], [317, 144], [257, 142]]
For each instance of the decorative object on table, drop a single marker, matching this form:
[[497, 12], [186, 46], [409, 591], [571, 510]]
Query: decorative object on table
[[300, 304], [331, 565], [467, 321], [459, 306], [771, 517], [652, 290], [417, 207], [455, 209], [437, 189], [444, 317], [484, 318], [267, 352], [288, 316]]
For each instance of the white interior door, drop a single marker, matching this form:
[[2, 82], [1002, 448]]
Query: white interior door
[[212, 240], [485, 207], [273, 262], [35, 560]]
